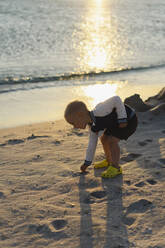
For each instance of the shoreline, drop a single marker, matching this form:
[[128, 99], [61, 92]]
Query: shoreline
[[28, 108]]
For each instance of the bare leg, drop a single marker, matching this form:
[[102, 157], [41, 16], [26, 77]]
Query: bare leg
[[106, 147], [111, 149]]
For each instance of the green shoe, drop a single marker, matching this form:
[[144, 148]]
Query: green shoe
[[101, 164], [111, 172]]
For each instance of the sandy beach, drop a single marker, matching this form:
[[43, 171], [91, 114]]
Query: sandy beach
[[46, 202]]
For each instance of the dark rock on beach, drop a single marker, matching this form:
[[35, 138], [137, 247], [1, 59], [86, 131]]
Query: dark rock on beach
[[137, 103], [159, 98]]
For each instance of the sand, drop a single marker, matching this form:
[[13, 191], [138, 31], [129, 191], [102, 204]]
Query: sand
[[46, 202]]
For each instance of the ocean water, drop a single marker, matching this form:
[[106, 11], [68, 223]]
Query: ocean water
[[53, 51]]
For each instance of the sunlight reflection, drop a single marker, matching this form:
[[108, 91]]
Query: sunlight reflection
[[96, 56], [99, 92], [98, 1], [95, 47]]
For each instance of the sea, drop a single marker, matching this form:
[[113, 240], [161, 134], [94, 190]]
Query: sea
[[56, 51]]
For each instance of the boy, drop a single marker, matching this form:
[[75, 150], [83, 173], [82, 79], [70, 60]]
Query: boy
[[110, 120]]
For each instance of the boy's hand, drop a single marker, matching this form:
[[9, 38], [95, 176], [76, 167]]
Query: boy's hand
[[83, 167], [122, 125]]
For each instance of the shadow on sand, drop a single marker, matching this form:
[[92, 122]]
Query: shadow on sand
[[115, 235], [86, 232], [116, 230]]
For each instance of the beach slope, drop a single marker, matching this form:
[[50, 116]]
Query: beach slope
[[46, 202]]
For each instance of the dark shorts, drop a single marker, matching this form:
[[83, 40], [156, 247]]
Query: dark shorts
[[123, 133]]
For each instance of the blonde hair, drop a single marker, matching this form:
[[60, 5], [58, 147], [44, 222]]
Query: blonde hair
[[74, 107]]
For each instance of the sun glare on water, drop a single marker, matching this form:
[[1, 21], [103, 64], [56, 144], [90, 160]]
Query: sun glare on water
[[96, 56], [95, 49]]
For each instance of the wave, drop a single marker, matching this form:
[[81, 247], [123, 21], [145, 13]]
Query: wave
[[13, 81]]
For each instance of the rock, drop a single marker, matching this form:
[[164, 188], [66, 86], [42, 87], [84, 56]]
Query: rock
[[137, 103], [161, 95], [159, 109], [159, 98]]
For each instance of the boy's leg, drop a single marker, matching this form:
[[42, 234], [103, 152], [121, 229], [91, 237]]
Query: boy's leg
[[111, 149], [112, 152], [106, 162]]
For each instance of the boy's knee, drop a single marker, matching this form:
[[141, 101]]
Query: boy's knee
[[104, 139], [113, 140], [109, 139]]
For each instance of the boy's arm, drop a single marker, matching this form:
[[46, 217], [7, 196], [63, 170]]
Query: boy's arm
[[90, 152]]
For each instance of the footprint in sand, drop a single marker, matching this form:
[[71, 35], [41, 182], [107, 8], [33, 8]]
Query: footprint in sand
[[15, 141], [98, 194], [77, 133], [87, 199], [145, 142], [139, 206], [37, 187], [91, 183], [2, 195], [128, 220], [140, 184], [59, 224], [142, 143], [130, 157], [151, 181], [88, 184], [46, 231], [19, 141], [36, 136], [56, 142], [3, 236], [41, 229], [64, 188], [148, 140], [76, 174], [144, 122], [162, 161], [3, 144], [36, 158], [91, 198], [128, 182]]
